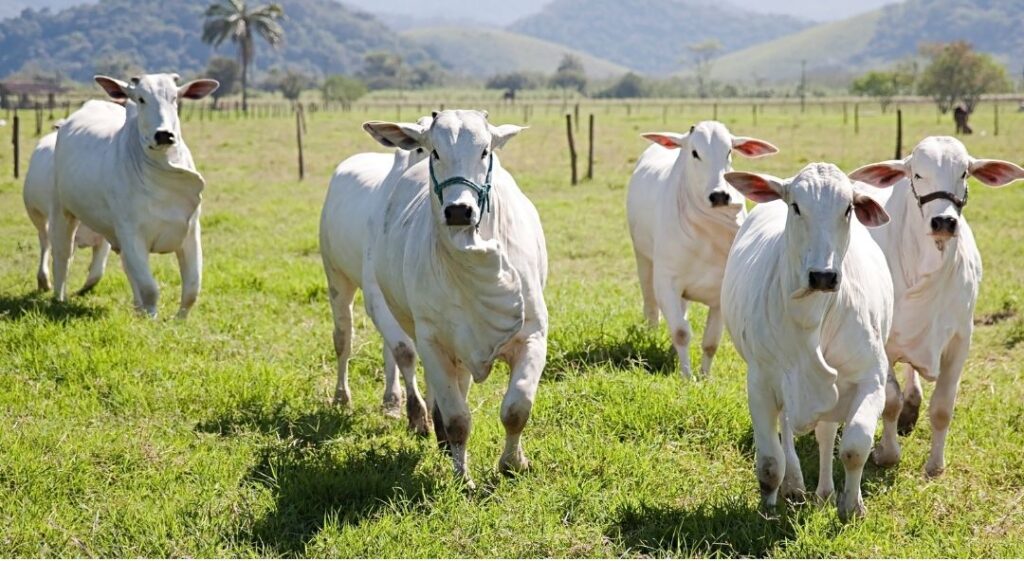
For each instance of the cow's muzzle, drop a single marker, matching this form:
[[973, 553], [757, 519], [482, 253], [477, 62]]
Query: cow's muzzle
[[944, 226], [827, 281], [458, 215], [164, 138], [718, 199]]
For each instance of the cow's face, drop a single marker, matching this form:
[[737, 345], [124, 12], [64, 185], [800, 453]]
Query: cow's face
[[155, 98], [821, 204], [707, 151], [937, 170], [459, 146]]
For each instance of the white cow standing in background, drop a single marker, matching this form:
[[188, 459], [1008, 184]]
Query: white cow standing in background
[[936, 270], [124, 171], [38, 196], [359, 189], [459, 256], [809, 312], [683, 216]]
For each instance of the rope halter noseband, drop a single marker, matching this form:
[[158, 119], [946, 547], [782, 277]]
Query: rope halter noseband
[[951, 197], [483, 192]]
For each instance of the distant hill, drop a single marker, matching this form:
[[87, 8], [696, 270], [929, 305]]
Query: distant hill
[[320, 35], [11, 8], [813, 9], [652, 35], [881, 37], [490, 12], [484, 52]]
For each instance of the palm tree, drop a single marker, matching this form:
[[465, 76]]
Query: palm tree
[[232, 19]]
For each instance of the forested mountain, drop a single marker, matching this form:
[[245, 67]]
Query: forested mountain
[[320, 36], [652, 35]]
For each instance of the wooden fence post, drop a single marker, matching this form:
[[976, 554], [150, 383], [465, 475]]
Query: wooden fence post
[[572, 147], [856, 118], [753, 112], [590, 149], [899, 134], [576, 115], [14, 141], [995, 108], [298, 137]]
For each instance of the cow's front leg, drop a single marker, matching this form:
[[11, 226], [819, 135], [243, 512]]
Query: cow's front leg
[[97, 266], [136, 263], [771, 460], [887, 452], [527, 364], [674, 308], [712, 337], [940, 409], [792, 487], [858, 435], [825, 433], [190, 264], [452, 420], [912, 397]]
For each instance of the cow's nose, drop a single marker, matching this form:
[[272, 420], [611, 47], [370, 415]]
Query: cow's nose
[[719, 198], [944, 225], [458, 215], [164, 138], [823, 280]]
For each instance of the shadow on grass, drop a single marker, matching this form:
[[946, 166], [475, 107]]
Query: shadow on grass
[[732, 529], [313, 488], [639, 347], [301, 428], [13, 308]]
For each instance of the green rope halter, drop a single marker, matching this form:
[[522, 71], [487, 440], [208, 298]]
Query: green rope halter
[[483, 192]]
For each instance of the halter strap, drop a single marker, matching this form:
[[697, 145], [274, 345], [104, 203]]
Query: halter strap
[[483, 192], [957, 201]]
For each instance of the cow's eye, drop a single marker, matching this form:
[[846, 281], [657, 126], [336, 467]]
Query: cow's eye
[[849, 209], [419, 150], [696, 156], [796, 208], [964, 176], [917, 176], [433, 154], [142, 101], [484, 155]]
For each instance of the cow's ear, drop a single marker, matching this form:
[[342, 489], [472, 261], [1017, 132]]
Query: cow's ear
[[995, 173], [752, 147], [670, 140], [760, 188], [198, 89], [116, 89], [407, 136], [501, 134], [882, 174], [869, 212]]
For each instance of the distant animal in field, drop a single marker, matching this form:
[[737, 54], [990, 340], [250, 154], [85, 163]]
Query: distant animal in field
[[936, 273], [359, 189], [960, 116], [460, 258], [125, 172], [808, 303], [38, 195], [683, 216]]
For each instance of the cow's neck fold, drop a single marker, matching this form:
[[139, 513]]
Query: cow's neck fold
[[695, 210], [171, 169], [921, 262]]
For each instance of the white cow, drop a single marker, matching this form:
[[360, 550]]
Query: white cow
[[124, 171], [683, 217], [936, 270], [809, 312], [459, 256], [38, 196], [359, 189]]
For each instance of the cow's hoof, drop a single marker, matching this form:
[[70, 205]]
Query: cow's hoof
[[823, 495], [853, 512], [342, 399], [513, 465], [419, 424], [392, 407], [933, 471], [886, 457], [43, 283], [908, 418]]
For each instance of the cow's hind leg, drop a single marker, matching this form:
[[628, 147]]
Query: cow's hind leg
[[792, 487], [341, 292], [887, 451], [62, 235], [675, 308], [825, 433], [771, 459], [912, 398], [97, 266], [42, 228], [712, 337], [645, 271]]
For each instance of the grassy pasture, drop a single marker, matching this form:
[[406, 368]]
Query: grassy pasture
[[214, 437]]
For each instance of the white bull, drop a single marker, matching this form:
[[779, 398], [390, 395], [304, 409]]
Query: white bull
[[38, 196], [358, 190], [683, 216], [460, 258], [936, 272], [809, 312], [125, 171]]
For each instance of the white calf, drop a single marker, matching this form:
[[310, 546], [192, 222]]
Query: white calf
[[683, 217], [809, 312], [459, 256], [124, 171], [38, 196], [936, 271], [359, 189]]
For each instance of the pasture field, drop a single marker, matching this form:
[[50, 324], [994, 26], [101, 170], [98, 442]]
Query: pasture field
[[127, 437]]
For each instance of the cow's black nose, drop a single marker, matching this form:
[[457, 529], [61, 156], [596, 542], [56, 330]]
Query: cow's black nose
[[823, 280], [458, 215], [944, 225], [164, 138], [719, 198]]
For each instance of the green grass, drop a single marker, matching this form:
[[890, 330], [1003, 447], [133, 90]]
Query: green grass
[[214, 437]]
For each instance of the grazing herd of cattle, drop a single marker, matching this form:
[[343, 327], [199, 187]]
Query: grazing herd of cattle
[[827, 284]]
